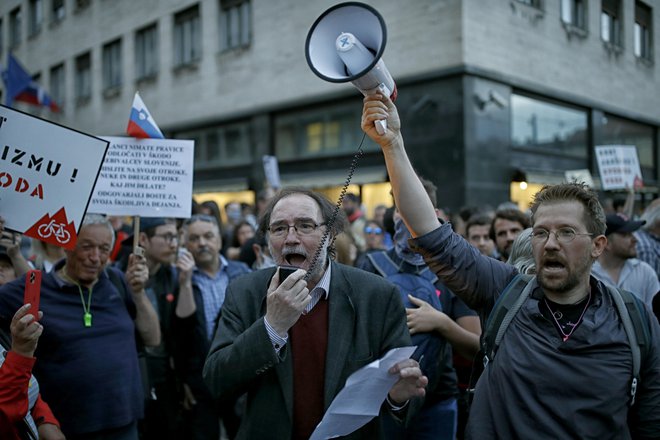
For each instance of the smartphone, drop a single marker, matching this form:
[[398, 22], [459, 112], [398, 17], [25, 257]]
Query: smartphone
[[285, 271], [33, 291]]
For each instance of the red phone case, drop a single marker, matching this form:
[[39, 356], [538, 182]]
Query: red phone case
[[33, 291]]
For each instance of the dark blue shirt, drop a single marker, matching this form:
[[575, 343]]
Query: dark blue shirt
[[88, 375]]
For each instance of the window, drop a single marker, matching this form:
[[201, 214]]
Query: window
[[112, 77], [319, 133], [619, 131], [610, 22], [146, 52], [225, 146], [574, 13], [15, 23], [57, 11], [83, 78], [235, 26], [57, 85], [36, 16], [187, 36], [82, 4], [533, 3], [642, 45], [548, 126]]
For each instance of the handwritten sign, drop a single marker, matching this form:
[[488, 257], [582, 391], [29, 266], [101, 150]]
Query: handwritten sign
[[47, 173], [145, 177], [619, 167]]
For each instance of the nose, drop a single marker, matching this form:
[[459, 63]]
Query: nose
[[551, 242], [292, 235]]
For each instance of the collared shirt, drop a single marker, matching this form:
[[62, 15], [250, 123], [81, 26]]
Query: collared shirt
[[648, 249], [636, 276], [213, 293], [321, 289]]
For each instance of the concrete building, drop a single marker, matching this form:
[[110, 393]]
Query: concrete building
[[490, 92]]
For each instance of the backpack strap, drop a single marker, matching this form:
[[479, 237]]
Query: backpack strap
[[503, 312], [635, 323], [383, 263]]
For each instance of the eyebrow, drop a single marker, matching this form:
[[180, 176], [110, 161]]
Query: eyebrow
[[296, 219]]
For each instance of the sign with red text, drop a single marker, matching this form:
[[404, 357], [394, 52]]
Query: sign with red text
[[47, 174], [145, 177], [619, 167]]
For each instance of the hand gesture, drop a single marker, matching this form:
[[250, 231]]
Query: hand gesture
[[411, 383], [9, 240], [285, 302], [424, 318], [25, 332], [137, 273], [185, 263]]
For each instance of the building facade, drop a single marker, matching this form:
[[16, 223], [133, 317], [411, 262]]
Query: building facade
[[490, 93]]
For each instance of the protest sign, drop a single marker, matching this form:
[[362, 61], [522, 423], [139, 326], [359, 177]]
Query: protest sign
[[47, 173], [272, 171], [145, 177], [619, 167]]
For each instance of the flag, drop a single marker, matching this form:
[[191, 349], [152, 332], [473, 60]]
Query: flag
[[140, 123], [19, 86]]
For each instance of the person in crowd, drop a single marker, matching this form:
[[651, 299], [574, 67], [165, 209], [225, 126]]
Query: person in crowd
[[10, 245], [522, 257], [255, 253], [563, 368], [7, 271], [379, 214], [290, 344], [374, 234], [648, 237], [242, 233], [477, 233], [455, 325], [234, 215], [201, 297], [263, 197], [617, 264], [505, 227], [352, 208], [159, 240], [93, 313], [122, 230], [210, 207], [44, 255], [23, 413]]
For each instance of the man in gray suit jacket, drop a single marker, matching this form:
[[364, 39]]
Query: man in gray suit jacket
[[291, 345]]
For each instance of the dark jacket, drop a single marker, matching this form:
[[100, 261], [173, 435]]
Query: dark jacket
[[366, 319], [539, 386]]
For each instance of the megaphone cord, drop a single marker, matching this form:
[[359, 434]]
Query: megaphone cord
[[333, 217]]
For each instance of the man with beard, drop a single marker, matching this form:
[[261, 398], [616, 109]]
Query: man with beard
[[290, 344], [200, 299], [507, 224], [618, 265], [563, 368]]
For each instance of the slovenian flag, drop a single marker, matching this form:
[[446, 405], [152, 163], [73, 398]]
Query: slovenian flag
[[141, 124]]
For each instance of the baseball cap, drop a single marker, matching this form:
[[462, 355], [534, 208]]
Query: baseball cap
[[616, 223]]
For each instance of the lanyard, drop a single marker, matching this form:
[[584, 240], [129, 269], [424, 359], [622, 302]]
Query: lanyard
[[87, 316]]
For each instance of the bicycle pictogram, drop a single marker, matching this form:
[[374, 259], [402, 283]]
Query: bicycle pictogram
[[57, 230]]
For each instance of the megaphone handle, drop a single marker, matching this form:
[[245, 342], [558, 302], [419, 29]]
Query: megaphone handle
[[381, 126]]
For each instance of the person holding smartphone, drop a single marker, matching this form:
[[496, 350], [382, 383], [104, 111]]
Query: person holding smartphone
[[23, 414]]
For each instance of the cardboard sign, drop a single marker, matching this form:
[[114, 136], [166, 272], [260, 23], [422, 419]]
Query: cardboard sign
[[619, 167], [272, 171], [47, 173], [146, 178]]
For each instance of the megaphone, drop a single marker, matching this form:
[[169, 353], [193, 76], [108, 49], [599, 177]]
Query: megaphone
[[346, 43]]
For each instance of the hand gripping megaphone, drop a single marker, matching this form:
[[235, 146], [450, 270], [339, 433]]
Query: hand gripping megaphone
[[346, 43]]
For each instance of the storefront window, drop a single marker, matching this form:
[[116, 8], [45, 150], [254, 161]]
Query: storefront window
[[618, 131], [548, 126]]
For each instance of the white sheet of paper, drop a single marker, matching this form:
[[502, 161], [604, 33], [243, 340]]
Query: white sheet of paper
[[362, 396]]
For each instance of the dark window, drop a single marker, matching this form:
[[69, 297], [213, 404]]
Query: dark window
[[146, 52], [15, 24], [112, 72], [235, 24], [610, 22], [187, 36], [58, 84], [83, 78], [643, 27], [619, 131], [57, 11], [574, 12], [36, 16]]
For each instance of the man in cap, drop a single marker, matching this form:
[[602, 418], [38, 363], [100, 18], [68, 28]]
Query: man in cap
[[618, 265]]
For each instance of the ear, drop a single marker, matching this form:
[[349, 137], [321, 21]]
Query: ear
[[598, 245], [143, 239]]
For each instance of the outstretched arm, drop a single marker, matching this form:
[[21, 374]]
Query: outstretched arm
[[411, 198]]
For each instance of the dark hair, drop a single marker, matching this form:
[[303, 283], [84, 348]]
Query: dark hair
[[328, 211], [388, 220], [351, 197], [237, 228], [594, 215], [152, 230], [215, 211], [513, 215], [478, 220]]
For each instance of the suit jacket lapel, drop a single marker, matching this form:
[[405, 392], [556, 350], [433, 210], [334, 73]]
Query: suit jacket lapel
[[341, 317]]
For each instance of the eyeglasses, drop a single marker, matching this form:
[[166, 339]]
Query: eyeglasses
[[302, 227], [169, 238], [563, 235], [370, 230]]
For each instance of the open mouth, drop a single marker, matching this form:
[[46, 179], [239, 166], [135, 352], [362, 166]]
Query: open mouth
[[295, 259], [553, 265]]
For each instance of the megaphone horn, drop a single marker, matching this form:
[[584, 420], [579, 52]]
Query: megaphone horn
[[346, 43]]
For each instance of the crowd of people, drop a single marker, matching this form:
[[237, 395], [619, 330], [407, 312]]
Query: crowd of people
[[199, 334]]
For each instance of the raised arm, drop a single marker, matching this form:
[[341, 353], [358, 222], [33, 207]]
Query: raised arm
[[411, 199]]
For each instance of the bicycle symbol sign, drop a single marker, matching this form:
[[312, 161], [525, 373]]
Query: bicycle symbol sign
[[57, 230]]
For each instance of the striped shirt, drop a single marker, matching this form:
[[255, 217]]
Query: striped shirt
[[213, 293]]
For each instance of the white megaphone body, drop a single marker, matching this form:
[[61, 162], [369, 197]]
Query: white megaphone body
[[346, 43]]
